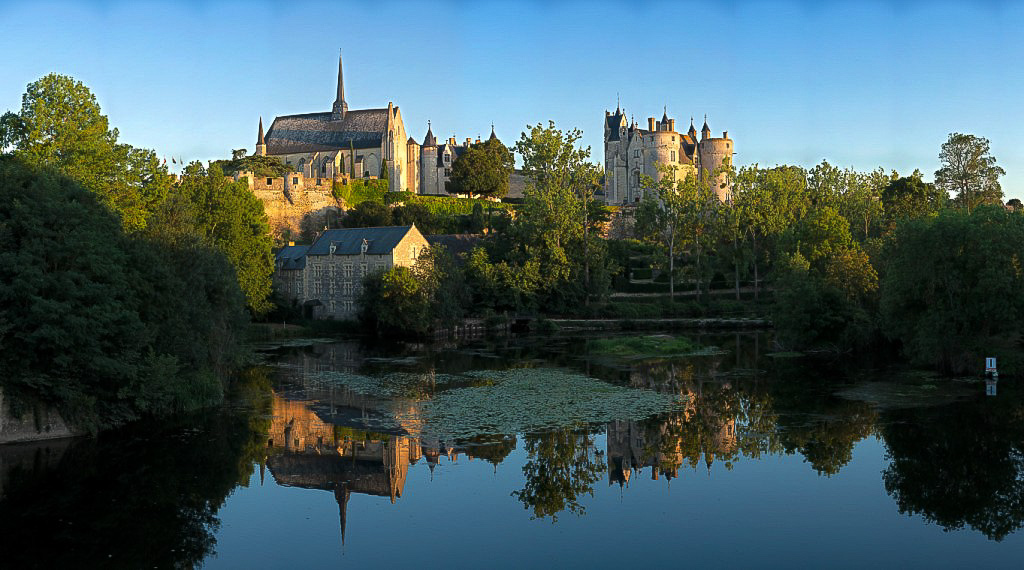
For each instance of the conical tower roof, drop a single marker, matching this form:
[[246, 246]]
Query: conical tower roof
[[259, 139], [493, 136], [429, 139]]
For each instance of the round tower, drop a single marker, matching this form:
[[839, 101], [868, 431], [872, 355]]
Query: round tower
[[428, 163], [713, 153]]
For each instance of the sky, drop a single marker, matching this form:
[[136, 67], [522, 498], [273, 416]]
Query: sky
[[860, 84]]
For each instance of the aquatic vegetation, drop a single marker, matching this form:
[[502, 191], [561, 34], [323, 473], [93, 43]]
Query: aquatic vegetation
[[531, 400], [648, 346]]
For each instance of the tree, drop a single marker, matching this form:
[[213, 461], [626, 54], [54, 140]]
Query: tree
[[383, 169], [969, 171], [483, 170], [953, 289], [555, 222], [910, 197], [228, 218], [368, 214], [395, 302], [1015, 204], [476, 219], [60, 125]]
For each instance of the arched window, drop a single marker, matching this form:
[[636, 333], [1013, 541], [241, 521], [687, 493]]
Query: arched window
[[302, 164]]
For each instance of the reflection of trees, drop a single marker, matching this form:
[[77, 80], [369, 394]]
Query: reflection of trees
[[959, 465], [141, 497], [728, 416], [562, 466], [491, 448]]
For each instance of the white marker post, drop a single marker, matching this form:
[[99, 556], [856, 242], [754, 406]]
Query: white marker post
[[991, 376]]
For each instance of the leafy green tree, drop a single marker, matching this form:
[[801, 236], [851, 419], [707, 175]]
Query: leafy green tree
[[483, 170], [383, 170], [555, 222], [367, 214], [60, 125], [108, 327], [969, 171], [260, 166], [952, 291], [1015, 204], [911, 197], [395, 302], [230, 219]]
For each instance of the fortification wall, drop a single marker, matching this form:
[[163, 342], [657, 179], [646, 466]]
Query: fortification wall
[[287, 211]]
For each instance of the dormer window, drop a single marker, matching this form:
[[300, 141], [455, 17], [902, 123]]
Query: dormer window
[[365, 246], [334, 247]]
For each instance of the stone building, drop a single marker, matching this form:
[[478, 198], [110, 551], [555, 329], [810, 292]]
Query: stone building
[[341, 143], [632, 153], [326, 278]]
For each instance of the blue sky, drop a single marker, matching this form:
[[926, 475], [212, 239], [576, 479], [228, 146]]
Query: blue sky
[[861, 84]]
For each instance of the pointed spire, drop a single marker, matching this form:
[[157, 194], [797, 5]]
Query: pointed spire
[[617, 104], [664, 117], [259, 139], [429, 140], [340, 106], [493, 136]]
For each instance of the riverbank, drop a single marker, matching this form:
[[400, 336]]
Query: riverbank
[[37, 424]]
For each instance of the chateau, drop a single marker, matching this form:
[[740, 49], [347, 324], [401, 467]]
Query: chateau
[[630, 153]]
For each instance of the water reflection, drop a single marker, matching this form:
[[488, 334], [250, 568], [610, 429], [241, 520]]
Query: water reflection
[[151, 495]]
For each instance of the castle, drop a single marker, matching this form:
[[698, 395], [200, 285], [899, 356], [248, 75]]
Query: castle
[[343, 144], [632, 153]]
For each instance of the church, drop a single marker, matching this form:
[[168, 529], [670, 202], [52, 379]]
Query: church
[[345, 144], [342, 143]]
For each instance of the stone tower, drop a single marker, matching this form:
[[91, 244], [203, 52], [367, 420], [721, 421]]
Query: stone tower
[[340, 108], [261, 144], [428, 163], [712, 152]]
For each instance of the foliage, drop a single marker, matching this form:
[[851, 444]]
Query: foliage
[[260, 166], [395, 303], [953, 289], [358, 191], [106, 326], [638, 346], [483, 170], [228, 218], [60, 125], [367, 215], [969, 171], [562, 465], [911, 197]]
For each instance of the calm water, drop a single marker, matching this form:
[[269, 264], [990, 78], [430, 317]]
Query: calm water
[[333, 454]]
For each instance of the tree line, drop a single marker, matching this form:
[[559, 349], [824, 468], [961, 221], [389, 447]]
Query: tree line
[[122, 293]]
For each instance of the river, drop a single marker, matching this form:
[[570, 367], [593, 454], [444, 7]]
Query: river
[[538, 451]]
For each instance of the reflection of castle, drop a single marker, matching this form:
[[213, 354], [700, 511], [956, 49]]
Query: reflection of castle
[[699, 429]]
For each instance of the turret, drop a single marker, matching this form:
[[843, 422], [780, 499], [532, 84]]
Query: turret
[[705, 131]]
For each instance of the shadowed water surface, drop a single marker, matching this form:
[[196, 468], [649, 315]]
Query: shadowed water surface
[[538, 452]]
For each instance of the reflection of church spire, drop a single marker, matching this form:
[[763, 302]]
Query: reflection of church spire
[[341, 494]]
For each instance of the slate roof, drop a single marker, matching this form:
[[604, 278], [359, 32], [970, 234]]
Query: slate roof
[[292, 257], [312, 132], [456, 244], [614, 121], [349, 241]]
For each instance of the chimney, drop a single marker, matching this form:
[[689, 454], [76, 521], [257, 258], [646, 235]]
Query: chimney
[[725, 134], [451, 141], [652, 124], [672, 124], [469, 141]]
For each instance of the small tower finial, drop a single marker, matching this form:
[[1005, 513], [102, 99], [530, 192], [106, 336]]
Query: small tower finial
[[617, 103]]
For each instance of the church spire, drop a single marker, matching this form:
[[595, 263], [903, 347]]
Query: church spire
[[261, 143], [340, 106]]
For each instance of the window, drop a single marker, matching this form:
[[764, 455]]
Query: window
[[270, 181], [673, 156], [636, 153], [323, 168], [447, 171], [295, 179]]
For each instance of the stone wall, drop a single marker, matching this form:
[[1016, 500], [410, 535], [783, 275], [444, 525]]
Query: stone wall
[[286, 210], [36, 424]]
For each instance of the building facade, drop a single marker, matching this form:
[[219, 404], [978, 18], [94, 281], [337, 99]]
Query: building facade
[[341, 143], [633, 154], [326, 278]]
